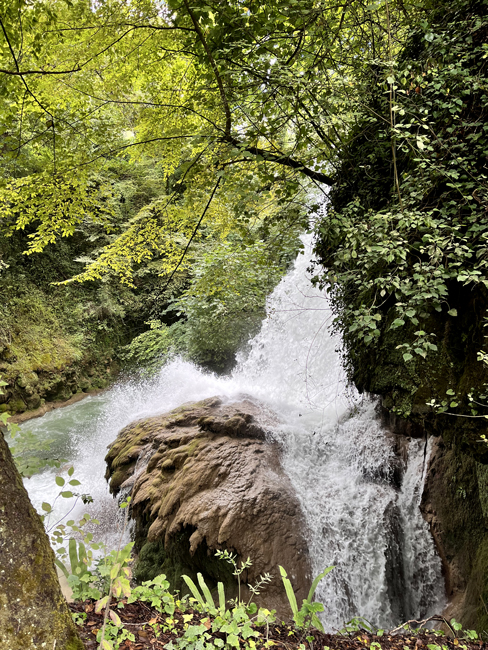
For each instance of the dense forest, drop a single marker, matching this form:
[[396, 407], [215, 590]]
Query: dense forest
[[162, 159]]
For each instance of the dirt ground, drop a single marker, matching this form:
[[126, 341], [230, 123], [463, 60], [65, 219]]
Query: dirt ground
[[146, 626]]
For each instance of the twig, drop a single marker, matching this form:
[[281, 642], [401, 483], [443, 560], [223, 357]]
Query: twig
[[20, 74], [436, 617], [218, 78], [193, 233]]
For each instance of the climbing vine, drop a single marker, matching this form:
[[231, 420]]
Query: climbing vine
[[397, 256]]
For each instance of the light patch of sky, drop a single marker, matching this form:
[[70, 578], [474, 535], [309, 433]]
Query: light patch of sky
[[160, 6]]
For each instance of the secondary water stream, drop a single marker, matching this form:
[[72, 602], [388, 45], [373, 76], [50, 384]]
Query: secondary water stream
[[340, 460]]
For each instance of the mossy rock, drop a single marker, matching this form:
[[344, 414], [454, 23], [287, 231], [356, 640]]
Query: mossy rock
[[16, 406], [475, 614], [455, 503], [208, 478], [176, 561]]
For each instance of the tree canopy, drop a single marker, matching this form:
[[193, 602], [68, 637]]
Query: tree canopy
[[233, 101], [248, 110]]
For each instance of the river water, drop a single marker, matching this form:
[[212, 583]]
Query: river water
[[339, 458]]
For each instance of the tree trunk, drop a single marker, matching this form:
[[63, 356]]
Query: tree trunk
[[33, 611]]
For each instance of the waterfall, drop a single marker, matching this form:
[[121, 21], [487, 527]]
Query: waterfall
[[341, 462], [339, 458]]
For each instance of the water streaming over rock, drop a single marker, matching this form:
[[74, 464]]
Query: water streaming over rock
[[362, 518]]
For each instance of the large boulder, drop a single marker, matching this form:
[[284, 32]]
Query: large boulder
[[207, 476]]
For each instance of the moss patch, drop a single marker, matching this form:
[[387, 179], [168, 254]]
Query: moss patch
[[176, 561], [475, 614]]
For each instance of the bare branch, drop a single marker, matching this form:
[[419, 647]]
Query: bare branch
[[132, 144], [193, 233], [133, 25], [21, 73], [282, 159], [223, 96]]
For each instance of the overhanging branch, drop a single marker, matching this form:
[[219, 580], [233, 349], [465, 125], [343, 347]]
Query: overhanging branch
[[282, 159], [20, 73]]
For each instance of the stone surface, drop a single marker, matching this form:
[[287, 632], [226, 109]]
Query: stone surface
[[453, 503], [204, 477]]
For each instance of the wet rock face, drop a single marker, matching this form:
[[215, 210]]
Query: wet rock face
[[205, 477], [454, 504]]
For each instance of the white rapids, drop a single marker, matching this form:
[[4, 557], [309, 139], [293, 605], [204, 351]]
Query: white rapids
[[336, 453]]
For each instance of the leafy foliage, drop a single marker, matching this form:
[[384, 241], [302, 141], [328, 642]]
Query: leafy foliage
[[398, 255], [225, 301], [307, 614]]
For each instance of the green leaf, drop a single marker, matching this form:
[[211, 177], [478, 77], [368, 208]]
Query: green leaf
[[206, 592], [220, 588], [114, 571], [60, 481], [82, 554], [194, 590], [316, 582], [398, 322], [289, 591], [73, 554], [452, 312], [407, 356], [61, 566]]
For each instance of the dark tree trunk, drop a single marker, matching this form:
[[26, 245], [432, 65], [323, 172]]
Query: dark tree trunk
[[33, 611]]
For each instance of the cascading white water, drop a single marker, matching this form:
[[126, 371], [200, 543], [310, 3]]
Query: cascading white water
[[336, 453], [341, 462]]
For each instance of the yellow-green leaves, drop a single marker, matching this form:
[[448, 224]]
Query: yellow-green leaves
[[54, 206]]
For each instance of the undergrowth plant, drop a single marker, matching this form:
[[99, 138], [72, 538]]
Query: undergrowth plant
[[207, 625], [235, 622], [456, 631], [306, 616]]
